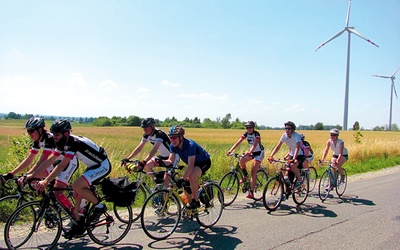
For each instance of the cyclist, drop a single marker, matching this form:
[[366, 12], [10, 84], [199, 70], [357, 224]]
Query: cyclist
[[197, 159], [35, 127], [308, 152], [160, 141], [340, 153], [296, 155], [90, 154], [256, 151]]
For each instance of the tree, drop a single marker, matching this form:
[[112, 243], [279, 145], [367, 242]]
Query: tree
[[319, 126], [225, 121], [102, 121], [356, 126]]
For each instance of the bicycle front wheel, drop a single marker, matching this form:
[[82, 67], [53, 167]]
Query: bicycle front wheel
[[262, 178], [111, 226], [324, 186], [230, 187], [213, 204], [273, 193], [161, 214], [8, 204], [33, 226], [341, 186], [300, 195], [312, 178]]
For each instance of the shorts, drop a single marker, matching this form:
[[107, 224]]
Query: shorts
[[65, 176], [204, 166], [299, 158], [345, 156], [94, 174], [258, 156], [309, 158]]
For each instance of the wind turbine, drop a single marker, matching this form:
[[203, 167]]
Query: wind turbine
[[349, 30], [393, 88]]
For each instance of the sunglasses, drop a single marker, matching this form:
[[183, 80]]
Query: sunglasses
[[173, 137], [288, 128], [30, 131], [333, 135], [249, 127]]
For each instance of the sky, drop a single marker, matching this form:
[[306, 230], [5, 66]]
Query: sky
[[255, 60]]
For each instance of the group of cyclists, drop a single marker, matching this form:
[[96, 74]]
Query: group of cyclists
[[61, 151]]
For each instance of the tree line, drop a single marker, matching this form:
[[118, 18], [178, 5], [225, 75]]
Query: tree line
[[226, 122]]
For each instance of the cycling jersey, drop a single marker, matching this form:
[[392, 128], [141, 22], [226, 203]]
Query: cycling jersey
[[251, 138], [191, 148], [46, 142], [291, 143], [336, 148], [159, 136]]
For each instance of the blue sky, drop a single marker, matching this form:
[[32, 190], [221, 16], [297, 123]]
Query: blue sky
[[253, 59]]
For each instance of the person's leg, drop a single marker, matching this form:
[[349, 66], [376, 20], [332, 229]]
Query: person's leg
[[254, 170]]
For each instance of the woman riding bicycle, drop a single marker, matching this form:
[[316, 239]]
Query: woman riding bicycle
[[197, 159]]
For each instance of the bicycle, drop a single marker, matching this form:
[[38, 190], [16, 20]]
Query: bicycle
[[329, 180], [230, 182], [164, 208], [38, 224], [312, 176], [277, 189], [142, 189]]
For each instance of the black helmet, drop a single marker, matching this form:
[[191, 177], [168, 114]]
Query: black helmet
[[290, 124], [147, 122], [250, 124], [35, 122], [60, 126], [302, 136], [176, 130]]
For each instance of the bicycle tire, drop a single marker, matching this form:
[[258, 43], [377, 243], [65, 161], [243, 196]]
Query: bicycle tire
[[230, 187], [300, 195], [211, 211], [261, 181], [8, 205], [273, 193], [33, 226], [312, 178], [106, 230], [324, 186], [161, 216], [340, 188]]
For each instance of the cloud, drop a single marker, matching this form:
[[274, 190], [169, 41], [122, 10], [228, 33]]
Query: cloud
[[295, 108], [166, 83], [77, 80], [108, 85]]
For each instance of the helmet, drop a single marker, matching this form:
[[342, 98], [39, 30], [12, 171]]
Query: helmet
[[147, 122], [176, 130], [60, 126], [291, 124], [35, 122], [302, 136], [334, 131], [250, 124]]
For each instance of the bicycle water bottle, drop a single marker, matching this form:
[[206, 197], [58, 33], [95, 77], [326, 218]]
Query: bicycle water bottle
[[65, 202], [184, 198], [82, 207], [287, 180]]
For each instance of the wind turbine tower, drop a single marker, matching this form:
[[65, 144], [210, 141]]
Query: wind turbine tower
[[350, 30], [392, 88]]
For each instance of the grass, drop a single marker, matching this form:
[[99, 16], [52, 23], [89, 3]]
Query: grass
[[377, 150]]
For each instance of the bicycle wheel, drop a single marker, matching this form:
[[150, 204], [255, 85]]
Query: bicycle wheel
[[107, 230], [230, 187], [312, 178], [324, 186], [8, 205], [161, 214], [300, 195], [213, 203], [140, 197], [273, 193], [341, 187], [262, 178], [33, 226]]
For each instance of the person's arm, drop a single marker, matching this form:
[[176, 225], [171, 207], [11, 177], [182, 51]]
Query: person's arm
[[276, 149], [24, 164], [43, 158], [235, 146], [56, 171], [45, 165], [153, 151], [137, 150], [296, 151], [325, 151], [341, 148]]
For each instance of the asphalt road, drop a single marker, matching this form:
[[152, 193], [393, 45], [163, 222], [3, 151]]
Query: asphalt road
[[366, 217]]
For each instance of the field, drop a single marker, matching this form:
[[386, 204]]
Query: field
[[376, 150]]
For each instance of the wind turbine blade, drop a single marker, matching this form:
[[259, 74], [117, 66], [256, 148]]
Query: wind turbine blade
[[395, 72], [348, 14], [381, 76], [352, 30], [394, 88], [338, 34]]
